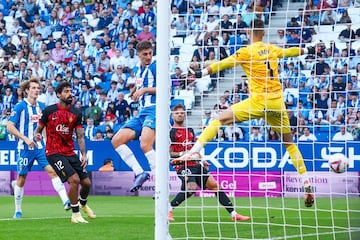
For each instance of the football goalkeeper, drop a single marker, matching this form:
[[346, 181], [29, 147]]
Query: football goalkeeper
[[259, 60]]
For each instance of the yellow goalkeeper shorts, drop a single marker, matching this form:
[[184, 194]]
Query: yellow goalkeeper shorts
[[273, 111]]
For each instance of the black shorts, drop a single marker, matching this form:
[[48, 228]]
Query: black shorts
[[197, 174], [66, 166]]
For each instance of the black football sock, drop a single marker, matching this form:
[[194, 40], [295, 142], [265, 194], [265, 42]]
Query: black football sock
[[82, 201], [179, 198], [225, 201]]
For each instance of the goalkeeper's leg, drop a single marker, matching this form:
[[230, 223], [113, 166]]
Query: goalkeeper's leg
[[298, 162]]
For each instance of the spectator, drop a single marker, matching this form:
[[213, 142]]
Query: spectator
[[345, 18], [110, 117], [206, 119], [307, 135], [301, 112], [272, 135], [58, 53], [102, 102], [293, 40], [280, 40], [321, 65], [255, 135], [93, 111], [343, 135], [108, 166], [220, 136], [90, 129], [117, 60], [121, 105], [181, 27], [316, 117], [333, 115], [233, 133], [328, 17], [146, 34], [347, 34], [50, 96], [109, 134]]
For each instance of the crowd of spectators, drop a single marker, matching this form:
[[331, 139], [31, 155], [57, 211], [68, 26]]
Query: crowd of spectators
[[92, 44]]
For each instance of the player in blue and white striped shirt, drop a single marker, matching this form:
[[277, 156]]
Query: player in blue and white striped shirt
[[22, 124], [142, 125]]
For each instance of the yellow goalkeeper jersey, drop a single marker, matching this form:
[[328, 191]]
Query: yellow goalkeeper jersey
[[260, 64]]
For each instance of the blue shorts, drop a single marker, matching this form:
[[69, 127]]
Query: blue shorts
[[26, 159], [146, 118]]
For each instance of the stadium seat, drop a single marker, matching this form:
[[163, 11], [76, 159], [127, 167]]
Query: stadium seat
[[188, 97], [105, 86], [174, 102]]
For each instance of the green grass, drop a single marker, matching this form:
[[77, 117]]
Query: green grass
[[133, 218]]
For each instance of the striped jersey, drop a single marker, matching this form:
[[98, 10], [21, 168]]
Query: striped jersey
[[26, 117], [146, 78]]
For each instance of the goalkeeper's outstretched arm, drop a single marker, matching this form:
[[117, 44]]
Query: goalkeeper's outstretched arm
[[215, 67]]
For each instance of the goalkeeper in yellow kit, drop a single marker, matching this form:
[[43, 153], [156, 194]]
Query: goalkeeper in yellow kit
[[259, 60]]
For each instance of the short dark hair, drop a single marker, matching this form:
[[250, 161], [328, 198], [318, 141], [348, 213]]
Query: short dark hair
[[107, 161], [257, 24], [143, 45], [61, 86], [177, 106]]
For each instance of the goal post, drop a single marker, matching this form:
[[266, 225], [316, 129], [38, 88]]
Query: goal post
[[162, 122]]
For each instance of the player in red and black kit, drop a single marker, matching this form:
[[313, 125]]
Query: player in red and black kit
[[61, 120], [192, 173]]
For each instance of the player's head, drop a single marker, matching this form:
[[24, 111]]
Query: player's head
[[64, 93], [31, 87], [257, 28], [145, 52], [178, 114]]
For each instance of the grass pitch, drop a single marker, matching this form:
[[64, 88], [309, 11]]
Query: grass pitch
[[133, 218]]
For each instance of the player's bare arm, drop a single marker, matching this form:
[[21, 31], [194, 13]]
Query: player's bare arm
[[137, 94], [132, 91], [38, 132], [11, 128], [80, 132]]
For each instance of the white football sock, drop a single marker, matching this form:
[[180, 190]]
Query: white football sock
[[129, 158], [233, 213], [305, 178], [151, 156], [18, 196], [60, 189]]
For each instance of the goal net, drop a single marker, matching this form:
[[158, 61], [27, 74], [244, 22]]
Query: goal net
[[248, 159]]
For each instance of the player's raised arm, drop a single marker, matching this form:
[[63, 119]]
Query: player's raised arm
[[218, 66], [296, 51]]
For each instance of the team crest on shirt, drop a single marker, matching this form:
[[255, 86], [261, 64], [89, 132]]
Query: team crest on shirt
[[35, 118], [71, 119], [139, 82]]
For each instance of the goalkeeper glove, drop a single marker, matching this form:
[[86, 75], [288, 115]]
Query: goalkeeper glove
[[196, 73]]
